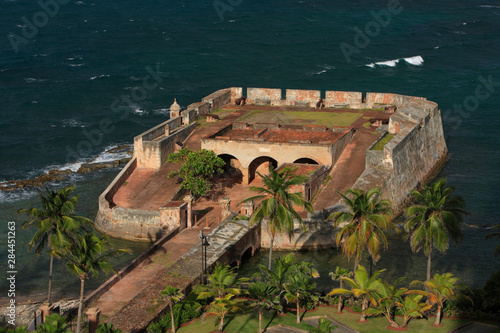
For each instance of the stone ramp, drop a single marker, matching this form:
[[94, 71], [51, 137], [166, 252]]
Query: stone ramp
[[347, 170], [144, 275], [184, 273]]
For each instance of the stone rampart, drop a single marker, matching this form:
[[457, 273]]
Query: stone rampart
[[303, 97], [410, 158], [338, 99], [152, 154], [263, 96], [218, 99]]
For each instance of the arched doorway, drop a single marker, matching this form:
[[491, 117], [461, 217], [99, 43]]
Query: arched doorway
[[232, 168], [261, 165]]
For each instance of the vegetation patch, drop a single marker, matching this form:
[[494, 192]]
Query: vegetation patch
[[382, 142], [329, 119]]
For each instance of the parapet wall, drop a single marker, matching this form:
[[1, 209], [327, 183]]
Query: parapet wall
[[412, 156]]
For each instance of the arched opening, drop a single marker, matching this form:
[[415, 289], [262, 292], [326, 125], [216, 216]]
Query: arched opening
[[232, 168], [261, 165], [306, 160], [246, 255]]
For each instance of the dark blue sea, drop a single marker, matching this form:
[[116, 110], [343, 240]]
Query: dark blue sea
[[68, 69]]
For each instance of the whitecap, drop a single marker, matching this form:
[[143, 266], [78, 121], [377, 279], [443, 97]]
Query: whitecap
[[73, 123], [489, 6], [98, 76], [436, 47], [33, 80], [416, 60], [77, 65], [162, 111]]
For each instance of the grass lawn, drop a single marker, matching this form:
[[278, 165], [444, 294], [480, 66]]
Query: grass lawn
[[329, 119], [382, 142], [248, 322], [379, 324]]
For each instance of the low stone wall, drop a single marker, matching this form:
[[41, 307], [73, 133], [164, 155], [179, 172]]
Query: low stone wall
[[152, 154], [319, 235], [263, 96], [127, 269], [343, 99], [303, 97], [218, 99]]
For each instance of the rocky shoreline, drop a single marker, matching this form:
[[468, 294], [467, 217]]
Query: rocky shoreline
[[59, 175]]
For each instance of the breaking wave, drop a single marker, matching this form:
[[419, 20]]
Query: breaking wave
[[415, 61]]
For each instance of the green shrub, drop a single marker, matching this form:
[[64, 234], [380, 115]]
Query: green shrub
[[107, 328], [184, 312]]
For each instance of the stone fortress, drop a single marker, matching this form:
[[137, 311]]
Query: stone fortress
[[143, 204]]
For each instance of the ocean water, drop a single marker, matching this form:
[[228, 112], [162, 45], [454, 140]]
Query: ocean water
[[81, 76]]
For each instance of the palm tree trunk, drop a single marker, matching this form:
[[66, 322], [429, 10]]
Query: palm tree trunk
[[356, 263], [429, 265], [298, 307], [50, 277], [270, 253], [221, 325], [172, 316], [363, 308], [438, 317], [80, 306], [341, 300], [260, 320]]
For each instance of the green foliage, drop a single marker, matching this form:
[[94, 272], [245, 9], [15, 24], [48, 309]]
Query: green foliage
[[197, 169], [221, 282], [276, 202], [324, 326], [21, 329], [412, 306], [434, 217], [184, 312], [382, 142], [107, 328], [492, 294], [54, 324], [55, 222], [221, 308], [172, 294], [363, 287], [365, 222]]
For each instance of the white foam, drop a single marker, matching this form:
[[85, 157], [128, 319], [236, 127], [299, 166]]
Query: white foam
[[416, 60], [489, 6], [74, 123], [17, 195], [98, 76]]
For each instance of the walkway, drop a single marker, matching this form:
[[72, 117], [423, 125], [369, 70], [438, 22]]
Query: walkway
[[347, 170], [146, 273]]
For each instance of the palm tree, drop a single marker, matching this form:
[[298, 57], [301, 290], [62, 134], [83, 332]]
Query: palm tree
[[278, 203], [221, 282], [221, 307], [262, 296], [298, 287], [435, 217], [495, 234], [387, 295], [173, 295], [56, 224], [363, 287], [86, 257], [439, 289], [54, 324], [338, 275], [412, 306], [107, 328], [324, 326], [365, 222]]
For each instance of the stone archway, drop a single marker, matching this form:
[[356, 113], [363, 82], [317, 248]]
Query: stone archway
[[261, 165], [233, 165]]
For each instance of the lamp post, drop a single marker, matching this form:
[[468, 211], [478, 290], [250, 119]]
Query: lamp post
[[205, 243]]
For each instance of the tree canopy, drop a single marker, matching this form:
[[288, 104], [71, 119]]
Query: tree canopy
[[197, 169]]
